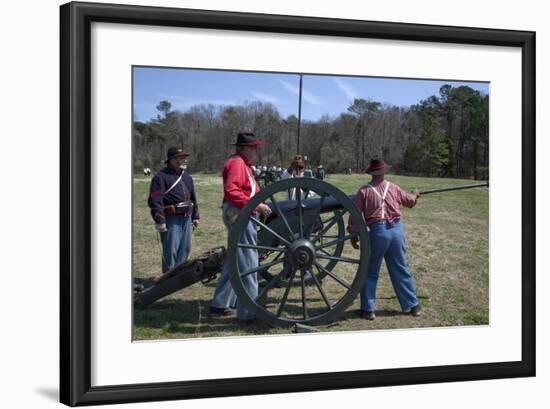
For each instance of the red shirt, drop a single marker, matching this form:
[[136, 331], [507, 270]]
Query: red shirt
[[239, 184], [369, 201]]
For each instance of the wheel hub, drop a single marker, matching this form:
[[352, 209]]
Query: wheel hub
[[302, 253]]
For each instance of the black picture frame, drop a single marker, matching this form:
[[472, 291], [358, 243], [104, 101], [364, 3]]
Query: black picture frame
[[76, 203]]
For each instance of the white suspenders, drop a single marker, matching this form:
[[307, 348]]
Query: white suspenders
[[382, 199], [175, 183], [252, 183]]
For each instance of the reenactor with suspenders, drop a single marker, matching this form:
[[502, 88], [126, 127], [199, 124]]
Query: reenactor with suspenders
[[380, 202]]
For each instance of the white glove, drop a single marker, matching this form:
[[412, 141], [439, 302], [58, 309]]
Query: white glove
[[161, 227]]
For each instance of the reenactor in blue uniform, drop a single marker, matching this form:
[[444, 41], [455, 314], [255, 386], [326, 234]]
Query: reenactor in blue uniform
[[173, 204], [320, 173]]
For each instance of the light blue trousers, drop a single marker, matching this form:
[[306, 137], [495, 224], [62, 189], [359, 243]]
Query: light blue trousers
[[176, 242], [224, 295], [388, 243]]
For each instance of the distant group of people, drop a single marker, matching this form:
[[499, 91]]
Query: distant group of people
[[175, 211], [259, 170], [297, 167]]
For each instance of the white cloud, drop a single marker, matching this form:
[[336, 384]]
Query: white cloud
[[289, 87], [265, 97], [187, 102], [346, 88], [307, 96]]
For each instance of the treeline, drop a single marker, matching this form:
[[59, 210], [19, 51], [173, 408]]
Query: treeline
[[445, 135]]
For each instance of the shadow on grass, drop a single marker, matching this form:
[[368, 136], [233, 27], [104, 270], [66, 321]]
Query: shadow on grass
[[389, 313], [355, 314], [146, 282], [393, 297], [191, 317]]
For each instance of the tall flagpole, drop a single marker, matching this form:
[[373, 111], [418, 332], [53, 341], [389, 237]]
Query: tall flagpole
[[299, 116]]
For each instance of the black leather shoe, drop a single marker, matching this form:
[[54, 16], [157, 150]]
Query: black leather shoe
[[138, 287], [220, 311], [367, 315], [247, 322], [416, 311]]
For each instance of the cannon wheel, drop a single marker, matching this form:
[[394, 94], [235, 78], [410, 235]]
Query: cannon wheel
[[298, 255], [336, 220]]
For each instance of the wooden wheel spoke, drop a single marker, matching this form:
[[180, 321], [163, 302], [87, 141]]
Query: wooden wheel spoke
[[327, 227], [281, 215], [271, 231], [317, 213], [267, 248], [321, 291], [272, 283], [261, 267], [333, 242], [285, 295], [304, 299], [334, 276], [300, 212], [342, 259]]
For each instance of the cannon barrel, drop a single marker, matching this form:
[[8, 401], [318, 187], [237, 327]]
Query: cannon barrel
[[330, 204]]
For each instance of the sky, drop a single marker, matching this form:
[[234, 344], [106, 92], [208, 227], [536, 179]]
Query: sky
[[321, 94]]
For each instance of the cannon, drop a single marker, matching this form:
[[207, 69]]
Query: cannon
[[203, 268], [267, 177], [309, 276]]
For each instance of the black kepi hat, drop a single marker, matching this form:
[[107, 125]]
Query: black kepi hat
[[247, 139], [378, 167], [174, 153]]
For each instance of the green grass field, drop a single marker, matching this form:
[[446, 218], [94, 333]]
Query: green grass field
[[447, 247]]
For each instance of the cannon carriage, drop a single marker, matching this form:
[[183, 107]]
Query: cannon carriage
[[308, 275]]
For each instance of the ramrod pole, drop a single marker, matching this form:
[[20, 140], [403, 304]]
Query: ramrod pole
[[330, 204], [449, 188]]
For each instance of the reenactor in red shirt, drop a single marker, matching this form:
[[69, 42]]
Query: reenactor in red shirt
[[239, 186]]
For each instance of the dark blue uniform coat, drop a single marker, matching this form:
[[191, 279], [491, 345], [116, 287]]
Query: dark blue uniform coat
[[182, 192]]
